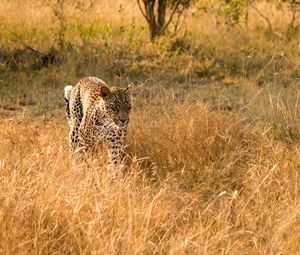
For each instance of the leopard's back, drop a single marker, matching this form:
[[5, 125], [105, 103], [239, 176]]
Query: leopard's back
[[85, 93]]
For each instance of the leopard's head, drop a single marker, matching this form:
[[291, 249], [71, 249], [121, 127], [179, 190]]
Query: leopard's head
[[117, 104]]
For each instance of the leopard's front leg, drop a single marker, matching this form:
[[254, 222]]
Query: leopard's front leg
[[83, 144], [115, 141]]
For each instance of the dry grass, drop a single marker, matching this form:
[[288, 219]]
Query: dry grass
[[215, 186]]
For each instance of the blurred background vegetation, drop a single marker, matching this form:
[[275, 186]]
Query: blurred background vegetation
[[232, 55]]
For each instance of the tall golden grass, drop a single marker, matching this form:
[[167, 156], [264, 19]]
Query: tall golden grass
[[198, 182]]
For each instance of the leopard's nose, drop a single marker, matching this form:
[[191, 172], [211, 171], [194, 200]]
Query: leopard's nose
[[123, 116], [122, 120]]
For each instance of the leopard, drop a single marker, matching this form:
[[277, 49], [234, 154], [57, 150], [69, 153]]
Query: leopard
[[97, 114]]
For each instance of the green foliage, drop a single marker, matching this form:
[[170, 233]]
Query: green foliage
[[228, 12], [58, 8], [232, 10]]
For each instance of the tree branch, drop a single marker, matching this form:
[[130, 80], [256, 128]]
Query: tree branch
[[262, 15], [171, 17], [177, 21], [141, 9]]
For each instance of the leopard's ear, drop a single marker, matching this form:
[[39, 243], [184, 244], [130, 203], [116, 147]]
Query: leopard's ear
[[104, 92], [128, 89]]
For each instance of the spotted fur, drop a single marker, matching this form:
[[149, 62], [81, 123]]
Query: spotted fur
[[97, 113]]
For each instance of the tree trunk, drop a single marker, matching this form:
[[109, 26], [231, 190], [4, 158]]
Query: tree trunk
[[156, 27], [161, 10], [157, 21]]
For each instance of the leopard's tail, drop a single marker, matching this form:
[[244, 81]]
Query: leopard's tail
[[68, 90]]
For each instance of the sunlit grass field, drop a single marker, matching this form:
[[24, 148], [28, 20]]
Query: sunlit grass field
[[213, 149]]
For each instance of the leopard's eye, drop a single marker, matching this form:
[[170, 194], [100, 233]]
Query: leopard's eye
[[115, 108]]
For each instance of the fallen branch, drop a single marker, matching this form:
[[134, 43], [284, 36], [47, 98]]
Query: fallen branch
[[16, 57]]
